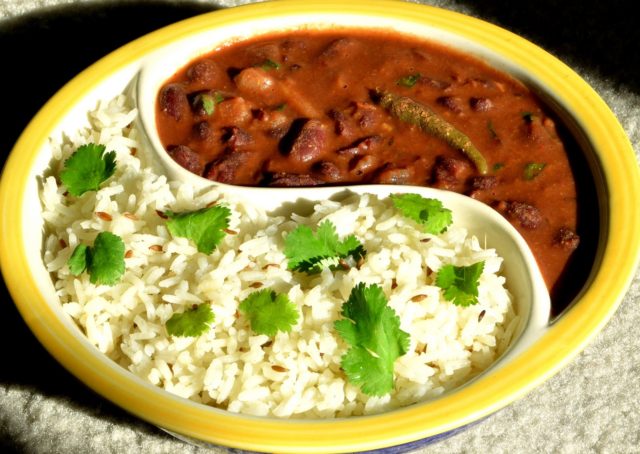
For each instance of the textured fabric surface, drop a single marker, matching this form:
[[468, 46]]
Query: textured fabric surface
[[591, 405]]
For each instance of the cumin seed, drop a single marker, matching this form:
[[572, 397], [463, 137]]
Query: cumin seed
[[104, 216], [278, 368], [155, 248]]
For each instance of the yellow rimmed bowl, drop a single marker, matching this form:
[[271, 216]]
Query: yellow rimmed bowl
[[607, 152]]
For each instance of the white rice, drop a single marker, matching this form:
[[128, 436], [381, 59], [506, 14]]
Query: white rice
[[292, 375]]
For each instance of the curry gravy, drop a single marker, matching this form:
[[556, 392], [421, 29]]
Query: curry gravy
[[300, 109]]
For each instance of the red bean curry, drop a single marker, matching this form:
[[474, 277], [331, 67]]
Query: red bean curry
[[314, 108]]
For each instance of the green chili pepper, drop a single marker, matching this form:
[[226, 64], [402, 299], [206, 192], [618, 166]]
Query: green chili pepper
[[410, 111]]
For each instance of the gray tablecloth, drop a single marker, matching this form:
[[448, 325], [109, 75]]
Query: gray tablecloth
[[590, 406]]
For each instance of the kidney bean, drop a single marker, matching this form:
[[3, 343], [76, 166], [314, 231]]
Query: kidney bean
[[566, 238], [483, 182], [337, 50], [525, 214], [287, 180], [202, 130], [256, 83], [187, 158], [234, 111], [224, 168], [398, 175], [434, 83], [236, 138], [364, 164], [447, 172], [361, 146], [367, 115], [328, 171], [205, 74], [453, 103], [340, 121], [307, 142], [271, 119], [173, 101], [481, 104]]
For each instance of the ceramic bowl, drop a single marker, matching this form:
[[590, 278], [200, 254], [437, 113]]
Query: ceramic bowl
[[553, 343]]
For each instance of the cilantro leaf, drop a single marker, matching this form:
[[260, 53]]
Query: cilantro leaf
[[204, 227], [269, 64], [104, 261], [460, 283], [78, 260], [533, 169], [192, 322], [87, 168], [409, 81], [430, 213], [204, 103], [311, 253], [269, 312], [492, 132], [372, 329]]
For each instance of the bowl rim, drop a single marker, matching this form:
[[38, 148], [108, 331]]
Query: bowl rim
[[563, 341]]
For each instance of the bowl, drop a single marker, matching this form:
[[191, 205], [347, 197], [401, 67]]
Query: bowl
[[606, 151]]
